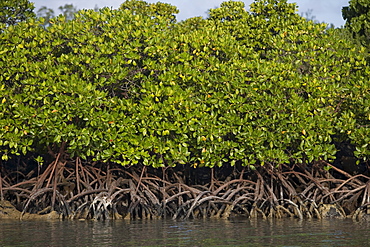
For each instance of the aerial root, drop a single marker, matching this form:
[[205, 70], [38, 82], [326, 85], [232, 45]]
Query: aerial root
[[82, 191]]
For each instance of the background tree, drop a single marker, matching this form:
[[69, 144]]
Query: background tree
[[12, 12], [46, 13], [309, 16], [68, 10]]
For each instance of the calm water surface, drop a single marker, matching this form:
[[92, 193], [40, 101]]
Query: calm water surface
[[233, 232]]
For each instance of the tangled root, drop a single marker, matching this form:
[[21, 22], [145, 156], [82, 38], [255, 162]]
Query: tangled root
[[104, 192]]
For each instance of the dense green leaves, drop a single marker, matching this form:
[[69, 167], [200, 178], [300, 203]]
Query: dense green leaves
[[12, 12], [133, 85], [357, 16]]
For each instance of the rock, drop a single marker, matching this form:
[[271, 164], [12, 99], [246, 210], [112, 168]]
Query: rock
[[8, 211], [53, 215], [331, 211]]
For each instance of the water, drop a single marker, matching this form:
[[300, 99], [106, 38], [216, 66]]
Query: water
[[233, 232]]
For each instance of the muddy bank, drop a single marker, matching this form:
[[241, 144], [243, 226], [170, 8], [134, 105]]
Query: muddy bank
[[8, 211], [74, 190]]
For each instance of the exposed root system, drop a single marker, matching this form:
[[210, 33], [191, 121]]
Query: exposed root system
[[99, 191]]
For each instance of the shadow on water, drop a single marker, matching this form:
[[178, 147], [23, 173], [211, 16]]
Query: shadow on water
[[233, 232]]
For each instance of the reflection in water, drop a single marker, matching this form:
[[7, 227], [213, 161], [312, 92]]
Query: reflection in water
[[233, 232]]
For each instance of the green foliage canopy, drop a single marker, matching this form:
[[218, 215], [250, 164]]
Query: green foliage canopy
[[133, 85], [357, 16], [12, 12]]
